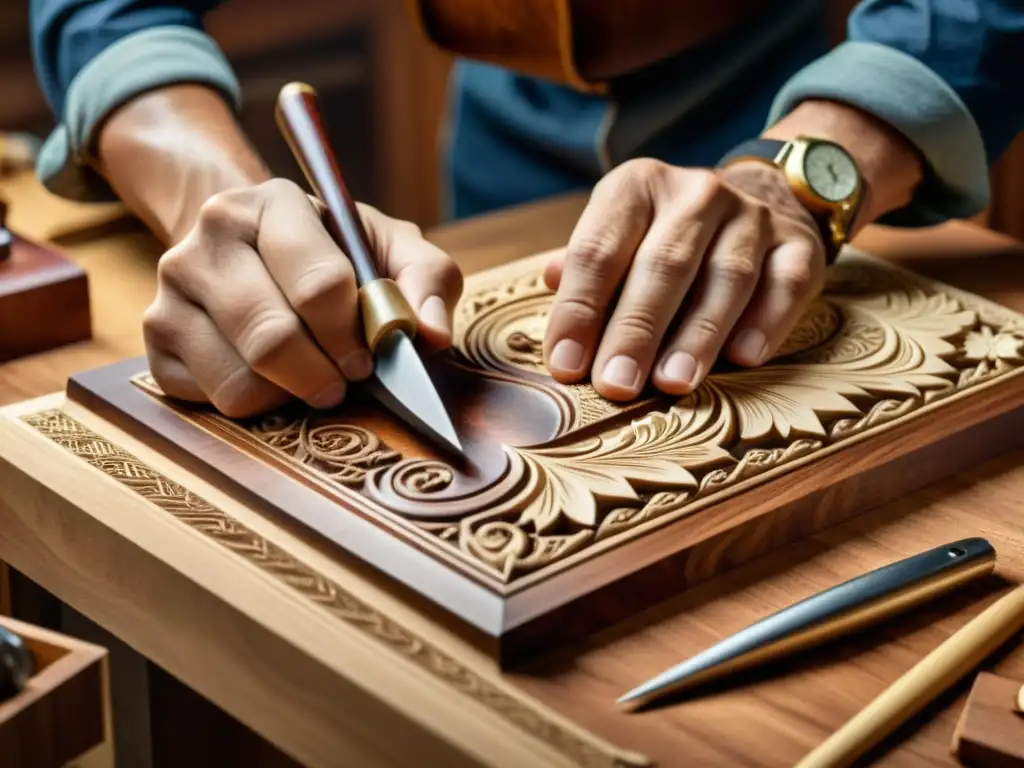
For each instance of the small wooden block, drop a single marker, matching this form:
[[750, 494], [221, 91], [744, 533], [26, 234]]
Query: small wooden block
[[62, 713], [990, 733], [44, 300]]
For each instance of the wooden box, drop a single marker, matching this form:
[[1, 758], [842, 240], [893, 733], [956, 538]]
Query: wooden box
[[44, 300], [577, 513], [61, 714]]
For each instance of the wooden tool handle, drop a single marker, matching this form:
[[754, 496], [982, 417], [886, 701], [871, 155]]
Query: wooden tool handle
[[922, 684], [300, 122]]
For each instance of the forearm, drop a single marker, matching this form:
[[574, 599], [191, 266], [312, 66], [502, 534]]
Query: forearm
[[120, 66], [167, 151], [944, 75], [890, 165]]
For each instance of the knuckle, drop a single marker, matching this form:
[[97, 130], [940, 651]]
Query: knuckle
[[670, 260], [738, 268], [576, 310], [705, 327], [633, 174], [266, 334], [158, 328], [279, 187], [323, 283], [706, 188], [450, 275], [176, 266], [644, 168], [796, 278], [637, 324], [593, 254], [228, 214]]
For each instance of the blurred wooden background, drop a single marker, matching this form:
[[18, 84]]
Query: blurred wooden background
[[383, 87]]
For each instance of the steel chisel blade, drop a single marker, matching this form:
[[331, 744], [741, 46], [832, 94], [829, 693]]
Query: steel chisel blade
[[402, 384]]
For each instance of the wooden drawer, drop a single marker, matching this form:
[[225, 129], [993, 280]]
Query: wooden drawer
[[61, 717]]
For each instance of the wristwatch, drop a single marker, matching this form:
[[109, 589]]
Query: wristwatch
[[823, 176]]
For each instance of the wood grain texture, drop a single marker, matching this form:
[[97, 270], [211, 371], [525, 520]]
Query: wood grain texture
[[62, 713], [442, 708], [282, 664], [945, 666], [44, 301], [576, 512], [990, 732]]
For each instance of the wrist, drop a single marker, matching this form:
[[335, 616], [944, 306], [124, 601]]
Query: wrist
[[168, 151], [889, 165]]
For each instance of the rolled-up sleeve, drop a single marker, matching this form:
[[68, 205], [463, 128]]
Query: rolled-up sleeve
[[91, 56], [948, 74]]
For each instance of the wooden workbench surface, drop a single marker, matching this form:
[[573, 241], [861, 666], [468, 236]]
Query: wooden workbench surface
[[771, 721]]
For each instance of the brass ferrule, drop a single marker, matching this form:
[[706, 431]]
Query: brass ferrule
[[384, 308]]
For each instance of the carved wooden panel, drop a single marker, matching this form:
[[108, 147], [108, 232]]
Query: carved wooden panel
[[572, 503]]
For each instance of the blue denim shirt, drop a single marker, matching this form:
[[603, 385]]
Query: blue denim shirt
[[942, 71]]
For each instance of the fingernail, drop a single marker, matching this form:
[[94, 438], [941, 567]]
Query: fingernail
[[622, 371], [750, 346], [679, 367], [434, 312], [329, 397], [567, 355], [357, 366]]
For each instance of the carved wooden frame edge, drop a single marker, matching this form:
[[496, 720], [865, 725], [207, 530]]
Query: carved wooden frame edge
[[192, 510]]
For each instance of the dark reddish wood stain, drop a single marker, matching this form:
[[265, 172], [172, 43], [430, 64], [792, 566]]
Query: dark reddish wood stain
[[608, 587]]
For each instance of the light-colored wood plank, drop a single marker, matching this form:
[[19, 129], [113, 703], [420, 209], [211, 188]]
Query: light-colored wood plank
[[367, 682]]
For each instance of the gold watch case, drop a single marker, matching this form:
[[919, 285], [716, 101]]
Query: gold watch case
[[835, 215]]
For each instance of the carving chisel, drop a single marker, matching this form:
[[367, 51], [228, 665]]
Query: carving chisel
[[400, 381], [843, 609]]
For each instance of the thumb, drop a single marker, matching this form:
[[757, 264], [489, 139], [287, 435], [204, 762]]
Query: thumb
[[428, 277]]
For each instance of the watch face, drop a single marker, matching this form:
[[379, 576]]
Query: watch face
[[830, 172]]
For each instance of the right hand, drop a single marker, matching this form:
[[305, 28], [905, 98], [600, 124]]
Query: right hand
[[258, 304]]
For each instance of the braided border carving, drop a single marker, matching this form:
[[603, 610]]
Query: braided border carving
[[197, 513]]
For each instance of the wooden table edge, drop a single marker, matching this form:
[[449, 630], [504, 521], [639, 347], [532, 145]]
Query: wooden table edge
[[354, 659]]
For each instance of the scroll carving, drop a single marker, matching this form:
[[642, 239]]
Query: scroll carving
[[878, 345], [342, 452]]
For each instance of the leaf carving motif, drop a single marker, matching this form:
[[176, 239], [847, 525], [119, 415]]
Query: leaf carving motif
[[877, 346], [657, 451]]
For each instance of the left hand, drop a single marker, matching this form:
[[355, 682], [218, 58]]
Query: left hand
[[688, 262]]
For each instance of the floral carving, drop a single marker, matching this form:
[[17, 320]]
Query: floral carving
[[986, 344], [879, 344]]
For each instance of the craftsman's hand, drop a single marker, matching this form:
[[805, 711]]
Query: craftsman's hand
[[258, 304], [670, 266]]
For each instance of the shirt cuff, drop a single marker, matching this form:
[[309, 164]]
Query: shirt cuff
[[900, 90], [137, 63]]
